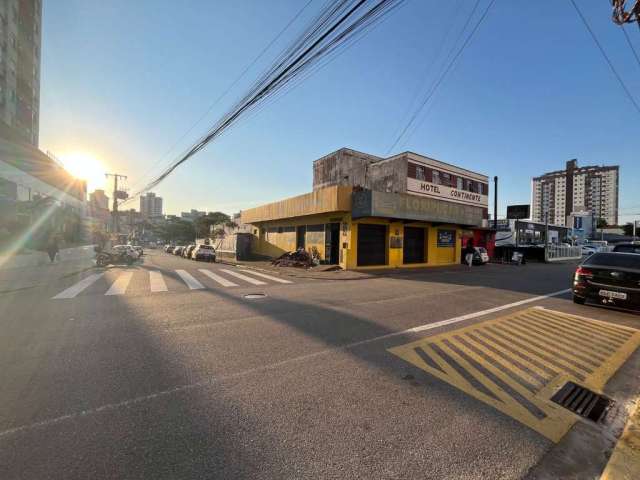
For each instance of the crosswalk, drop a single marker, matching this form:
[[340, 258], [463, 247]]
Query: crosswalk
[[155, 281]]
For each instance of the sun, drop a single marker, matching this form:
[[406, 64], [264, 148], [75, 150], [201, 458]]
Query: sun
[[86, 167]]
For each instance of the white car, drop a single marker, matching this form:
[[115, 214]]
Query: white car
[[128, 248], [482, 253], [588, 250]]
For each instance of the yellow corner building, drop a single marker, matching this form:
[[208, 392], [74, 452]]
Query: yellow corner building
[[370, 212]]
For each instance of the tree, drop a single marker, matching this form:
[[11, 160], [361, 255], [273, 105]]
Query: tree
[[203, 224], [602, 223], [628, 229], [175, 230]]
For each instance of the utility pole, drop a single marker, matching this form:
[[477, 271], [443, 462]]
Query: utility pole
[[495, 203], [117, 194]]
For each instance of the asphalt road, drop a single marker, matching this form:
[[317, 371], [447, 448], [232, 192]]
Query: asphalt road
[[161, 371]]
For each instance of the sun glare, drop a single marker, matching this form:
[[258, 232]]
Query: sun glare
[[85, 166]]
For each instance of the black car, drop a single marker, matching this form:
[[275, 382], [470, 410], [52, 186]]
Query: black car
[[633, 247], [609, 279]]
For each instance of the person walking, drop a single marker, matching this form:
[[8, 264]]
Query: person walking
[[52, 248], [468, 252]]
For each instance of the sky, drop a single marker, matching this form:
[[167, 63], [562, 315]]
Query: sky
[[124, 81]]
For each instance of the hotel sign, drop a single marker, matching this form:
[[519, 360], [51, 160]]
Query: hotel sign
[[443, 192]]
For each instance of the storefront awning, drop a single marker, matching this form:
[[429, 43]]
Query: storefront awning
[[367, 203]]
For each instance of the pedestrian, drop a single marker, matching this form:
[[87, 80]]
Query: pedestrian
[[468, 252], [52, 248]]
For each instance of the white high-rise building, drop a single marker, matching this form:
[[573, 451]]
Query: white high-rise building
[[150, 205], [576, 189]]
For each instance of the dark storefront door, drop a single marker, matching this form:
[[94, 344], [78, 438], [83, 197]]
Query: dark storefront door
[[301, 233], [413, 248], [372, 244], [332, 243]]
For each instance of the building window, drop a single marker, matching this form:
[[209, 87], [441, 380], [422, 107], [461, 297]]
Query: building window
[[420, 173], [445, 179], [436, 177], [460, 183]]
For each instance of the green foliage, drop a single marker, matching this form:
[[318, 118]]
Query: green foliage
[[175, 230], [203, 224], [602, 223], [628, 229]]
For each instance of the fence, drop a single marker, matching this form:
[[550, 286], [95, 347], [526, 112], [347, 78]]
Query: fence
[[557, 253]]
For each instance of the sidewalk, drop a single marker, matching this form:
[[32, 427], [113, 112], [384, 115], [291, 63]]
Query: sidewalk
[[624, 463], [328, 272], [15, 279]]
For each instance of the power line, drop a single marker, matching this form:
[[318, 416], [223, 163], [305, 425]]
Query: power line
[[228, 89], [443, 75], [338, 23], [633, 49], [606, 57]]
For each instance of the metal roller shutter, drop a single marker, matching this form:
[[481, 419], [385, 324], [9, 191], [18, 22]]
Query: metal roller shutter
[[413, 246], [372, 244]]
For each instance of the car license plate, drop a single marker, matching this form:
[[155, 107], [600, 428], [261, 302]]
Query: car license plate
[[610, 294]]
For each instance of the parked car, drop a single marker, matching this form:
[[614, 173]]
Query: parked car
[[204, 252], [609, 278], [632, 247], [169, 248], [126, 248], [138, 249], [480, 256], [177, 250], [186, 253], [588, 250]]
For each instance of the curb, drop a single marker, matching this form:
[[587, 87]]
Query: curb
[[624, 463], [291, 274]]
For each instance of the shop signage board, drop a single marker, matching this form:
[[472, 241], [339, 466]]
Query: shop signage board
[[367, 203], [446, 238], [518, 212]]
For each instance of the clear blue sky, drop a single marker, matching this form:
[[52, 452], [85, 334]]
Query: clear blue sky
[[124, 80]]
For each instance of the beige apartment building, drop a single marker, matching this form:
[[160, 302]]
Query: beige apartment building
[[591, 189]]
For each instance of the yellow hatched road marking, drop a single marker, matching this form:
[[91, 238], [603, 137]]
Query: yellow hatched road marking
[[575, 335], [516, 362]]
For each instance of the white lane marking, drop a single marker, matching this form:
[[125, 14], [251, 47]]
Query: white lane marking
[[264, 275], [217, 278], [74, 290], [120, 285], [211, 381], [157, 282], [191, 282], [250, 280]]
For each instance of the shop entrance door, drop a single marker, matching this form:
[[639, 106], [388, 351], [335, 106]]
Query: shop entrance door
[[301, 233], [332, 243], [413, 245]]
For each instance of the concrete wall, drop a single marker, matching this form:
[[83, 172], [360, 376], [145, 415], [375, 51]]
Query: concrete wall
[[325, 200], [388, 175], [343, 167]]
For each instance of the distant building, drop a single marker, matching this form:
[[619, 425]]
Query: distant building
[[99, 199], [591, 189], [192, 215], [20, 36], [150, 205]]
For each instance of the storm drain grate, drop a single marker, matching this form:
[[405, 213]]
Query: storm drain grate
[[582, 401]]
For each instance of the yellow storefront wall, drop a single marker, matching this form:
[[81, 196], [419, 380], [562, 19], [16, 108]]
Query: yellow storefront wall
[[272, 239]]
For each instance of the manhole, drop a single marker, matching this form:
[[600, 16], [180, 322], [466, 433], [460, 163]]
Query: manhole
[[252, 296], [582, 401]]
